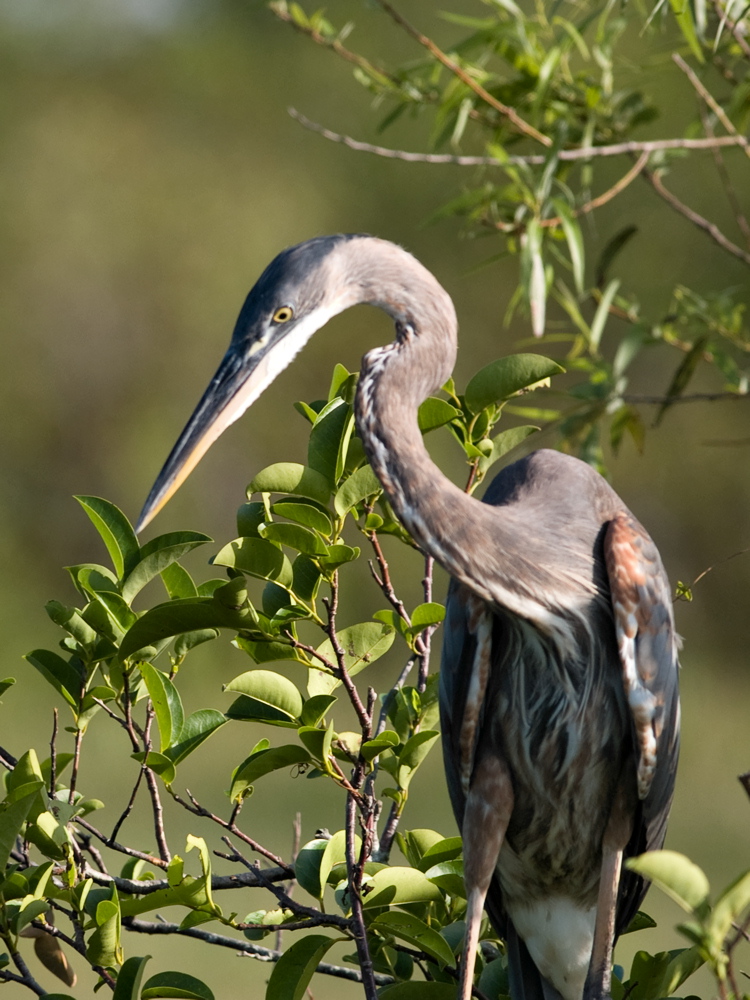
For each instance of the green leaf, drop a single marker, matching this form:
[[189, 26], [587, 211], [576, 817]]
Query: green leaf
[[167, 704], [159, 763], [416, 990], [337, 556], [443, 850], [449, 875], [264, 762], [70, 619], [62, 675], [602, 312], [414, 752], [290, 477], [307, 867], [104, 944], [728, 909], [116, 532], [574, 239], [266, 651], [409, 928], [676, 875], [13, 815], [684, 16], [270, 689], [258, 557], [176, 984], [129, 979], [292, 973], [296, 536], [304, 513], [335, 853], [362, 644], [329, 439], [5, 684], [196, 730], [640, 922], [425, 615], [175, 617], [395, 886], [435, 412], [361, 484], [503, 378], [315, 709], [178, 582], [384, 741], [157, 555], [249, 516]]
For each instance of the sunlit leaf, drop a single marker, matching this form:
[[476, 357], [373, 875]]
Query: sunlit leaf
[[675, 874], [116, 532], [503, 378], [290, 477], [395, 886]]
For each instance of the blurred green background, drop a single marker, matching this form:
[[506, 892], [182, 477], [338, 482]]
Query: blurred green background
[[148, 172]]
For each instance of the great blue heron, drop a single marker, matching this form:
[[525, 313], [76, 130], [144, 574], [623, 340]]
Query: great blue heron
[[559, 701]]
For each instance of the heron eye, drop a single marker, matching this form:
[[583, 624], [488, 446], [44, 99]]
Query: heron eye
[[283, 314]]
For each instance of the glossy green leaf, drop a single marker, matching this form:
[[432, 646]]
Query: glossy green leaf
[[290, 477], [329, 438], [362, 644], [5, 684], [435, 412], [129, 979], [189, 640], [70, 619], [295, 536], [63, 676], [335, 853], [315, 709], [159, 763], [395, 886], [116, 532], [449, 875], [729, 908], [176, 617], [337, 556], [443, 850], [258, 557], [386, 740], [574, 239], [602, 313], [305, 514], [506, 441], [307, 866], [409, 928], [503, 378], [196, 730], [264, 651], [292, 973], [271, 689], [157, 555], [176, 984], [263, 762], [167, 704], [91, 578], [414, 752], [178, 582], [12, 818], [425, 615], [361, 484], [675, 874], [641, 921], [104, 944], [249, 516]]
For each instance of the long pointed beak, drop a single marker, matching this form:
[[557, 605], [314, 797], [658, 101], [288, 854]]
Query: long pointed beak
[[238, 381]]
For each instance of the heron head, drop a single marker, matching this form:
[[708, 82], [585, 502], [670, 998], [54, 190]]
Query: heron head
[[298, 292]]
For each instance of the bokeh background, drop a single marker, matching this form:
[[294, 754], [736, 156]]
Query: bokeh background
[[148, 172]]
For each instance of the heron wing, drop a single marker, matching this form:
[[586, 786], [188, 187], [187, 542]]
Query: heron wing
[[647, 644]]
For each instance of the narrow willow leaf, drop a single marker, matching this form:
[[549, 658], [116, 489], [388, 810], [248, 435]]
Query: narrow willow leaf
[[574, 239], [116, 532], [503, 378], [290, 477], [602, 313], [292, 973]]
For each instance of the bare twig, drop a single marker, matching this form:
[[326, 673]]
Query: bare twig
[[331, 606], [153, 790], [53, 755], [242, 947], [7, 760], [129, 807], [424, 657], [710, 100], [734, 27], [25, 976], [76, 764], [602, 199], [198, 810], [726, 180], [355, 901], [630, 147], [510, 113], [120, 848], [252, 879], [698, 220]]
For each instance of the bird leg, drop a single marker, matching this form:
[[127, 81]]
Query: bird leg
[[616, 836], [489, 805]]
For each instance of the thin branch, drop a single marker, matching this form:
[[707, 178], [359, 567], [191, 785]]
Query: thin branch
[[252, 879], [129, 807], [243, 947], [120, 848], [53, 755], [603, 198], [710, 100], [734, 27], [7, 759], [76, 764], [153, 790], [26, 978], [198, 810], [510, 113], [582, 153], [331, 606], [726, 180], [355, 901], [698, 220], [693, 397]]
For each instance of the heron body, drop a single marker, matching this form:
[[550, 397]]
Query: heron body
[[559, 703]]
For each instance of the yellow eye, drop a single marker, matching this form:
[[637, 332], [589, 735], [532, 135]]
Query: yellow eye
[[283, 314]]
